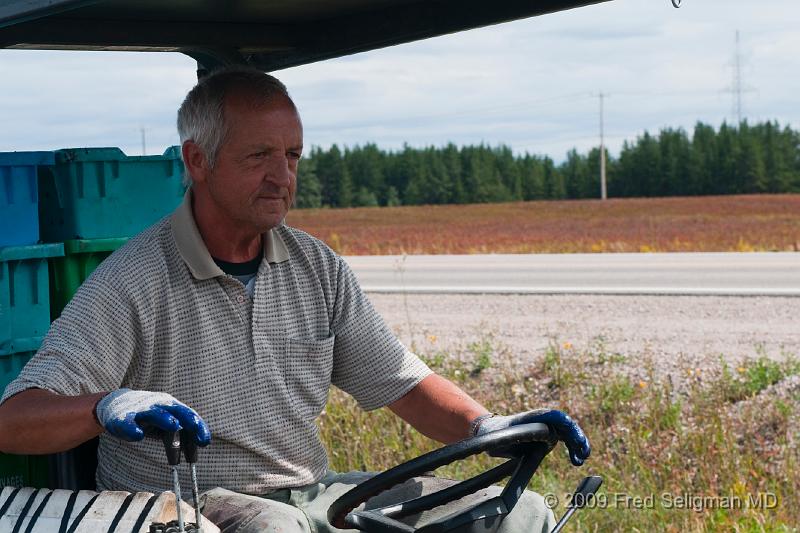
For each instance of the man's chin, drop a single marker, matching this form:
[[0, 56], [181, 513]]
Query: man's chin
[[266, 222]]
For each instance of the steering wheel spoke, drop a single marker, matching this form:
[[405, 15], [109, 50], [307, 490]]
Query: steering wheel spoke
[[540, 438]]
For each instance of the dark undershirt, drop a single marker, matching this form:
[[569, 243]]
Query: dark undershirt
[[244, 272]]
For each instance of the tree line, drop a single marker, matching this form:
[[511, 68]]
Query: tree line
[[761, 158]]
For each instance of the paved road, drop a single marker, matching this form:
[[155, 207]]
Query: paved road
[[736, 274]]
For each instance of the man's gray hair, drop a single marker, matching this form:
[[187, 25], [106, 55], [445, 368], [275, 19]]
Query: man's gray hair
[[201, 117]]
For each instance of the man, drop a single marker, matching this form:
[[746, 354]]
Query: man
[[221, 317]]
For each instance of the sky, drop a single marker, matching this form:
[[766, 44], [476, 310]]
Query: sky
[[533, 84]]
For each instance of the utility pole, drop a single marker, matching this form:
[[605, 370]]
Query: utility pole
[[737, 81], [603, 193]]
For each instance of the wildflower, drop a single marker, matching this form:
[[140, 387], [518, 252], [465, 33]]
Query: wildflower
[[567, 345], [741, 370], [432, 338], [642, 384]]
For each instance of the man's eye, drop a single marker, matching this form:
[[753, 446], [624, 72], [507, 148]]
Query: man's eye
[[293, 155], [258, 154]]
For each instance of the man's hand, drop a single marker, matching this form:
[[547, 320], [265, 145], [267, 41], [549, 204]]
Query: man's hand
[[125, 413], [566, 428]]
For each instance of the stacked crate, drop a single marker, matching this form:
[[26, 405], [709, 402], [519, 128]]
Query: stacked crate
[[93, 199], [24, 290], [85, 203]]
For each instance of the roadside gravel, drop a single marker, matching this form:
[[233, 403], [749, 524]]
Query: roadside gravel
[[675, 332]]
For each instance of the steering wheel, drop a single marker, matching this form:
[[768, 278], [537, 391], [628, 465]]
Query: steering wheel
[[534, 441]]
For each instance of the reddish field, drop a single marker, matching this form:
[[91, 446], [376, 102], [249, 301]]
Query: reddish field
[[692, 224]]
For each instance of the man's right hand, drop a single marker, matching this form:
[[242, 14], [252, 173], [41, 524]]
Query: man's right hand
[[126, 413], [567, 429]]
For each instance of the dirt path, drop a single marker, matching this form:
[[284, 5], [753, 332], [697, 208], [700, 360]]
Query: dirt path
[[668, 328]]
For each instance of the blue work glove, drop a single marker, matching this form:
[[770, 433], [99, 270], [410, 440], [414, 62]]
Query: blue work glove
[[566, 428], [125, 413]]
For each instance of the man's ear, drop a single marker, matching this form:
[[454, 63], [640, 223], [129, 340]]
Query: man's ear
[[195, 160]]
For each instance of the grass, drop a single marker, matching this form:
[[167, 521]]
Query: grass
[[673, 454], [692, 224], [756, 377]]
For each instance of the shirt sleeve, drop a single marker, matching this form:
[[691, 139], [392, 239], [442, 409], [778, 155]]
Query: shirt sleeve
[[88, 349], [369, 362]]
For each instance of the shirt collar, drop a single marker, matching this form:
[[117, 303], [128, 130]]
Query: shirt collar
[[194, 251]]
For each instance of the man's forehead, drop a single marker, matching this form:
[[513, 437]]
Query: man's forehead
[[243, 108], [243, 116], [251, 99]]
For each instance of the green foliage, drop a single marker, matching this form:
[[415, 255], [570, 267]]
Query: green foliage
[[755, 376], [435, 361], [482, 351], [649, 438], [392, 198], [762, 374], [365, 198], [552, 367], [612, 394], [309, 190], [739, 159]]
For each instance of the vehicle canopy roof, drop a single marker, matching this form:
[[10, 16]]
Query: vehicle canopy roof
[[269, 35]]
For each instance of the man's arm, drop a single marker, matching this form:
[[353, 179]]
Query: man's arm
[[438, 409], [37, 421]]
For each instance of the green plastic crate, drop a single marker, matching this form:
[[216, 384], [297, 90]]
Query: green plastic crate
[[68, 470], [99, 193], [24, 471], [24, 319], [67, 273], [24, 296], [20, 470], [10, 366]]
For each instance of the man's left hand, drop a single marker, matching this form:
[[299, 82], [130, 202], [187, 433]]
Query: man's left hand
[[565, 427]]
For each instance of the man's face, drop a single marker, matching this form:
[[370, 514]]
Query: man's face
[[255, 176]]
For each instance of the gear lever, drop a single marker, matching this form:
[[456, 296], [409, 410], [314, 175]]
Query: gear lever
[[580, 498]]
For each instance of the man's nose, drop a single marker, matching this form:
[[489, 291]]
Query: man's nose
[[279, 172]]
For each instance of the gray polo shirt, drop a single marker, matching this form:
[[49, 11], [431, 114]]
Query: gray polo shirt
[[160, 315]]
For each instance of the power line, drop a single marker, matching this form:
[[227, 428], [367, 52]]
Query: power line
[[546, 108], [461, 113]]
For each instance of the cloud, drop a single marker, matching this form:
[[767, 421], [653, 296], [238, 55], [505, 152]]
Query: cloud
[[61, 99], [531, 84]]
